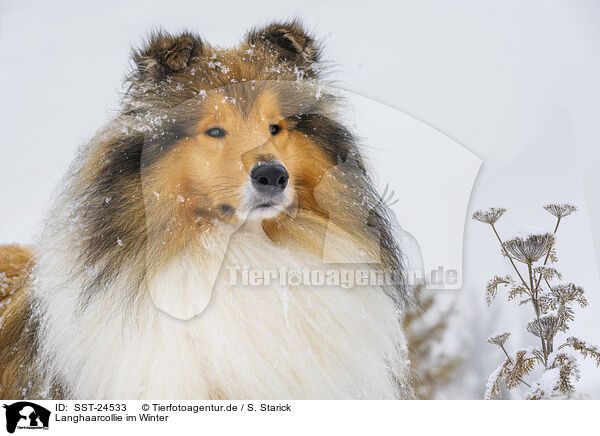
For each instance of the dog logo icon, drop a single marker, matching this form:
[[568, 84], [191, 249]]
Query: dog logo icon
[[26, 415]]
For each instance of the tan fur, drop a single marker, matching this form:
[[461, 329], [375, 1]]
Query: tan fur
[[16, 343], [203, 173], [14, 262], [150, 229]]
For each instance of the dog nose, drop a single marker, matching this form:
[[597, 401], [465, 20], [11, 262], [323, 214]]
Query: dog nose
[[269, 177]]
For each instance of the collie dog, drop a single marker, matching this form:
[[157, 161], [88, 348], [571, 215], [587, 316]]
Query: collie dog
[[220, 165]]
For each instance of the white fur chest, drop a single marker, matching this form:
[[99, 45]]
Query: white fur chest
[[263, 342]]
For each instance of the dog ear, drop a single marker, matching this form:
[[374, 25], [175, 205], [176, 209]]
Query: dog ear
[[290, 40], [164, 54]]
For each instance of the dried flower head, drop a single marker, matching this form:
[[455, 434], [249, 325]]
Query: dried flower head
[[560, 210], [529, 250], [490, 216], [567, 293], [546, 327], [499, 339]]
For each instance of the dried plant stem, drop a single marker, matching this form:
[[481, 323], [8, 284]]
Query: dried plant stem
[[548, 256], [509, 258], [553, 307], [534, 297], [556, 228], [536, 306], [529, 287], [510, 360]]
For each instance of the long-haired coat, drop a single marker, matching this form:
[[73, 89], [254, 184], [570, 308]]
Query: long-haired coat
[[219, 160]]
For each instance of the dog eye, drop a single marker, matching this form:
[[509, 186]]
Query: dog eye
[[216, 132], [274, 129]]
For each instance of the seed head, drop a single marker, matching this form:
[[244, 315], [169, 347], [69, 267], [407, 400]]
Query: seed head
[[546, 327], [560, 210], [489, 216], [529, 249], [499, 339]]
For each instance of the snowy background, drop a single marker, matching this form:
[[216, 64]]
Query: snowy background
[[514, 86]]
